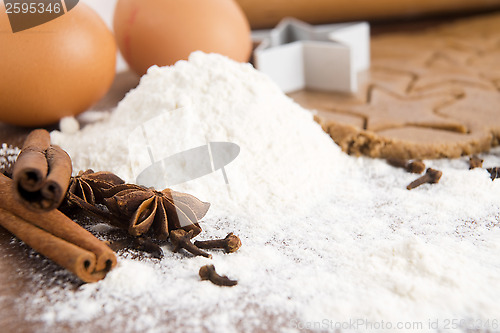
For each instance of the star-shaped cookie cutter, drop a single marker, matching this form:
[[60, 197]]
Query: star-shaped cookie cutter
[[326, 57]]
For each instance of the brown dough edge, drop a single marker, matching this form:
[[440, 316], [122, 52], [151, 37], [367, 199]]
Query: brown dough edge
[[355, 141]]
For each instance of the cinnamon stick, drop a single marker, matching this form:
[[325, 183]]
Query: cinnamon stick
[[80, 262], [42, 172], [56, 236]]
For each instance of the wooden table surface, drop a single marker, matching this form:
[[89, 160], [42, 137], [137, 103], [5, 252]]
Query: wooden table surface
[[20, 272]]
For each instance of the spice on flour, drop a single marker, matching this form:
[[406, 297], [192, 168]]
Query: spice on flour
[[333, 236]]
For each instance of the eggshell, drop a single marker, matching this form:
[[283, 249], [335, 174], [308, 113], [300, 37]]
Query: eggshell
[[161, 32], [57, 69]]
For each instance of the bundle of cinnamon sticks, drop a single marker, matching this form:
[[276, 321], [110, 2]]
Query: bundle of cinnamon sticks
[[28, 209]]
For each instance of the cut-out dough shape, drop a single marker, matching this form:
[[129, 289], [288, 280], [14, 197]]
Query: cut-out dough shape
[[451, 108]]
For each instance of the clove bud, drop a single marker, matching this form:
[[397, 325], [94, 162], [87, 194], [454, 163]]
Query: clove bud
[[475, 162], [182, 240], [147, 245], [142, 244], [416, 166], [208, 272], [494, 172], [431, 176], [231, 243]]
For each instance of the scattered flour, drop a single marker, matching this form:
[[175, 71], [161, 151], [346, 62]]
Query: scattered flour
[[8, 156], [69, 125], [329, 240]]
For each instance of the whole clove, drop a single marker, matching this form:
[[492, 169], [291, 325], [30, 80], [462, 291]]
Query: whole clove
[[208, 272], [231, 243], [494, 172], [142, 244], [475, 162], [416, 166], [182, 240], [431, 176], [147, 245]]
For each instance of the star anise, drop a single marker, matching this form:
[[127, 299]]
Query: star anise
[[85, 189], [148, 215], [142, 210]]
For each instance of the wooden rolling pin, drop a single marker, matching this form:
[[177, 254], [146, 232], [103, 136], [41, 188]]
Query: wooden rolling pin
[[267, 13]]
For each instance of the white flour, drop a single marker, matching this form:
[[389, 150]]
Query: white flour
[[8, 156], [209, 99], [328, 240]]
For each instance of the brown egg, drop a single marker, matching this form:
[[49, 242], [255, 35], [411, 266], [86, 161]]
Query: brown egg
[[57, 69], [161, 32]]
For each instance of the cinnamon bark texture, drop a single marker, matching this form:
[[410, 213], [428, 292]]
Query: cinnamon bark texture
[[42, 172], [55, 236]]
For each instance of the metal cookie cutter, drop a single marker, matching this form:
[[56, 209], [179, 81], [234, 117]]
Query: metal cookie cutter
[[328, 57]]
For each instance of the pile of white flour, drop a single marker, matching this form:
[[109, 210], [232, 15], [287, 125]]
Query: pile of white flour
[[329, 240], [283, 154]]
